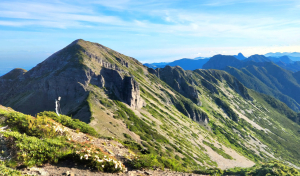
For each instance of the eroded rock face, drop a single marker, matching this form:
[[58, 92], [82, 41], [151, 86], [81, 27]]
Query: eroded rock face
[[175, 77], [125, 88], [131, 93]]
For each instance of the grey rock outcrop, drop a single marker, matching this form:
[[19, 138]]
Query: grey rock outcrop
[[124, 88], [176, 78]]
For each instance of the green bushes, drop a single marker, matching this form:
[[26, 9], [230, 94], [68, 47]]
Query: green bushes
[[32, 151], [8, 171], [42, 142], [127, 136], [211, 171], [69, 122], [105, 102], [39, 127], [154, 161], [273, 168], [146, 162]]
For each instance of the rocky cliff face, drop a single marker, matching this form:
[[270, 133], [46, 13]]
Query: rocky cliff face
[[124, 88], [67, 74]]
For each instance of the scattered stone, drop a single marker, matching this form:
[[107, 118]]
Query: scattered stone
[[147, 173]]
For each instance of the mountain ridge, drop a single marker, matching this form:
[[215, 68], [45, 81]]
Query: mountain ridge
[[266, 77]]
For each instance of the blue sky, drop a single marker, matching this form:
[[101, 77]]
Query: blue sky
[[150, 31]]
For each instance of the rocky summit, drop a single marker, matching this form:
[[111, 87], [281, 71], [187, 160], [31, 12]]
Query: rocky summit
[[120, 116]]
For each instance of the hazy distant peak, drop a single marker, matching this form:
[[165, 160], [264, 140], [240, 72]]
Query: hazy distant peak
[[240, 56], [13, 74]]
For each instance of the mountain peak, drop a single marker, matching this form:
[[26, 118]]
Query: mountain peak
[[240, 56], [221, 61], [13, 74]]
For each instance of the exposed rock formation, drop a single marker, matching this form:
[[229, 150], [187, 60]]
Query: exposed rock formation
[[175, 77], [125, 88]]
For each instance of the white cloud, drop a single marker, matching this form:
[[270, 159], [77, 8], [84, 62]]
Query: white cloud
[[158, 21]]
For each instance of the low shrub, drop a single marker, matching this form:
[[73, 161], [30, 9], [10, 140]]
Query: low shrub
[[8, 171], [40, 127], [69, 122], [95, 158], [42, 143], [273, 168], [146, 162], [32, 151]]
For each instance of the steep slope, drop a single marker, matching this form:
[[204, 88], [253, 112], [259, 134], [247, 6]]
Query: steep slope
[[264, 77], [182, 120]]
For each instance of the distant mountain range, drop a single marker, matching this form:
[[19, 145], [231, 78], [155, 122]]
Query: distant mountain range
[[288, 61], [185, 63], [273, 74], [265, 77], [278, 54]]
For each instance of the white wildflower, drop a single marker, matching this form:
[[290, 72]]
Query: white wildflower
[[86, 156]]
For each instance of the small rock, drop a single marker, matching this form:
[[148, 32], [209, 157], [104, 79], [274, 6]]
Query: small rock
[[147, 173]]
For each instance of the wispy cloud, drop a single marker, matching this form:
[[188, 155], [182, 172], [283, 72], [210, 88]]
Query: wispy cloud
[[161, 23]]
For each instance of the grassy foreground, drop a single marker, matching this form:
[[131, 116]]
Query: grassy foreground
[[43, 139]]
